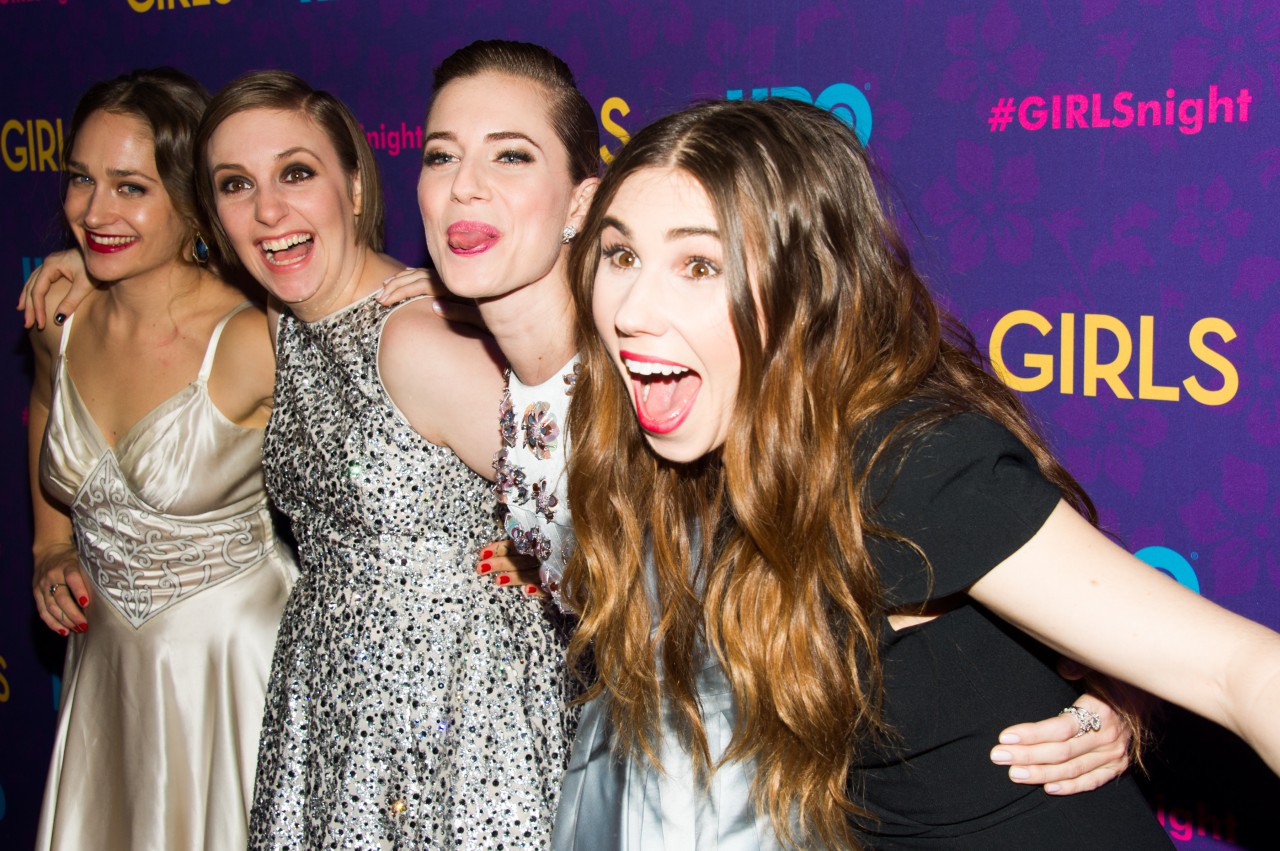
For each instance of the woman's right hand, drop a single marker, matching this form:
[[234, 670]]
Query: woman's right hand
[[61, 264], [61, 590], [509, 568]]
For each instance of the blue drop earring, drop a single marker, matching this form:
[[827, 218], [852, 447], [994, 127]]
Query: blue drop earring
[[200, 250]]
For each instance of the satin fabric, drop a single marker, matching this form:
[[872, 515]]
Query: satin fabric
[[162, 698], [626, 804]]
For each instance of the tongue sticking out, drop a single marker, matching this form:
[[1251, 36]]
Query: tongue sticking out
[[468, 240], [663, 402]]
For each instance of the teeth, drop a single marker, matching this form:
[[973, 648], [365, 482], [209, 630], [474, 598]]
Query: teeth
[[640, 367], [285, 242], [111, 240]]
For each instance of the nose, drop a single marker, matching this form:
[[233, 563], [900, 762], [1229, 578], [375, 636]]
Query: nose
[[469, 182], [642, 306], [269, 206], [99, 209]]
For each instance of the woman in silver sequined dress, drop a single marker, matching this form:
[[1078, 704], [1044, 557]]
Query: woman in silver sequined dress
[[404, 688]]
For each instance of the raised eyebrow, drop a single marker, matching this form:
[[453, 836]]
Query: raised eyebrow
[[611, 222], [681, 233], [499, 136]]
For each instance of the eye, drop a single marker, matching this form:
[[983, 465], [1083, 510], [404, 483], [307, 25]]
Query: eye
[[296, 174], [437, 157], [620, 257], [700, 268], [232, 185], [78, 179], [515, 156], [130, 189]]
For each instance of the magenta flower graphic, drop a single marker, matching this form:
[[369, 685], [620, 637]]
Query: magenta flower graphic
[[1239, 527], [1206, 219], [983, 207], [1109, 438], [1237, 36], [990, 60]]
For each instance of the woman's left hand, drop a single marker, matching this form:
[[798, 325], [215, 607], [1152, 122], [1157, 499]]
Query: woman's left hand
[[1053, 754], [510, 569]]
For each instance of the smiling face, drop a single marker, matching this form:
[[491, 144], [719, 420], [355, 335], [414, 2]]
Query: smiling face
[[288, 207], [661, 306], [116, 203], [495, 190]]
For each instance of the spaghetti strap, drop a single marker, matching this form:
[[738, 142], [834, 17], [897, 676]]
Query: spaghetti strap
[[206, 366], [66, 335]]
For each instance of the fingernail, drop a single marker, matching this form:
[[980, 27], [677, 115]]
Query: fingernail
[[59, 318], [487, 554], [1019, 773], [1053, 788], [485, 567], [531, 590], [84, 601], [504, 580], [1001, 757], [378, 293], [1010, 739], [62, 632]]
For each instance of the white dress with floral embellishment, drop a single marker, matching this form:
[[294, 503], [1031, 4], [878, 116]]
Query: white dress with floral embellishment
[[532, 480]]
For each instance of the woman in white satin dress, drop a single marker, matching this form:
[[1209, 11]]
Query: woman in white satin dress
[[154, 547]]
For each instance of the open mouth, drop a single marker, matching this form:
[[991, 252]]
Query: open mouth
[[107, 244], [664, 391], [467, 238], [287, 250]]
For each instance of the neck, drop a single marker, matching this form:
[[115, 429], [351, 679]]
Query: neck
[[534, 328], [155, 294], [366, 275]]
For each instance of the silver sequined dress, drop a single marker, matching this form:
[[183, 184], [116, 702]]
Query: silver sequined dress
[[412, 704]]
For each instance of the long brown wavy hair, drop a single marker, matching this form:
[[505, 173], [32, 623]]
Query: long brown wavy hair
[[759, 549]]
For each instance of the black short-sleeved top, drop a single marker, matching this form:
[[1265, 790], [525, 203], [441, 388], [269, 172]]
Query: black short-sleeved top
[[969, 495]]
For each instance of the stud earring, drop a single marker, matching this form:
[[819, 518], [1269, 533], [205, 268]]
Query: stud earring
[[200, 250], [567, 235]]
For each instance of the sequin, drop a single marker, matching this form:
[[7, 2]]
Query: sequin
[[412, 704]]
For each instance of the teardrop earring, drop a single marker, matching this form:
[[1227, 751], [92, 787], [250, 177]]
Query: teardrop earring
[[200, 250]]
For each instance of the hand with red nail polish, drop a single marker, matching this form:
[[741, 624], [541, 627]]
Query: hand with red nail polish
[[508, 567]]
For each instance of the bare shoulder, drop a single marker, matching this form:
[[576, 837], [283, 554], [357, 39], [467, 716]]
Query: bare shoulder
[[244, 364], [427, 348]]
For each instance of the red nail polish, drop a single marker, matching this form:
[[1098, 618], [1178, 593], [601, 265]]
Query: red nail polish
[[504, 579], [84, 601], [485, 567], [531, 590], [487, 554], [84, 627], [62, 632]]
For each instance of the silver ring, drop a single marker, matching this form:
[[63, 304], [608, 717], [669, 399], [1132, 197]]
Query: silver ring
[[1086, 721], [54, 588]]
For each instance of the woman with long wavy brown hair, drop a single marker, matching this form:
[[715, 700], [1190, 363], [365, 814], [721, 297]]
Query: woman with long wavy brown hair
[[816, 577]]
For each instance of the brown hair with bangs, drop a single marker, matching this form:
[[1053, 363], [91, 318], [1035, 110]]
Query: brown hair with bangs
[[286, 92], [758, 550]]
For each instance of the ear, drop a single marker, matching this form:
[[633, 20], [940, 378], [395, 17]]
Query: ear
[[357, 193], [581, 201]]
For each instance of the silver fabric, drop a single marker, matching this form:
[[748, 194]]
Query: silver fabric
[[628, 805], [162, 698], [413, 704]]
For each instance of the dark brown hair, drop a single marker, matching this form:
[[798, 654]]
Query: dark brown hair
[[286, 92], [571, 115], [758, 550]]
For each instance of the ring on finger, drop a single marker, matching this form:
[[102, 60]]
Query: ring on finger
[[1086, 721], [53, 588]]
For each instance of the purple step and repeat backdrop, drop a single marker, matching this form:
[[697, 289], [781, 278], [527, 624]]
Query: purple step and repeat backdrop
[[1093, 185]]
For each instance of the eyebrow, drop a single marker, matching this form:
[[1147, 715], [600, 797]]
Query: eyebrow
[[285, 154], [113, 172], [672, 234], [499, 136]]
